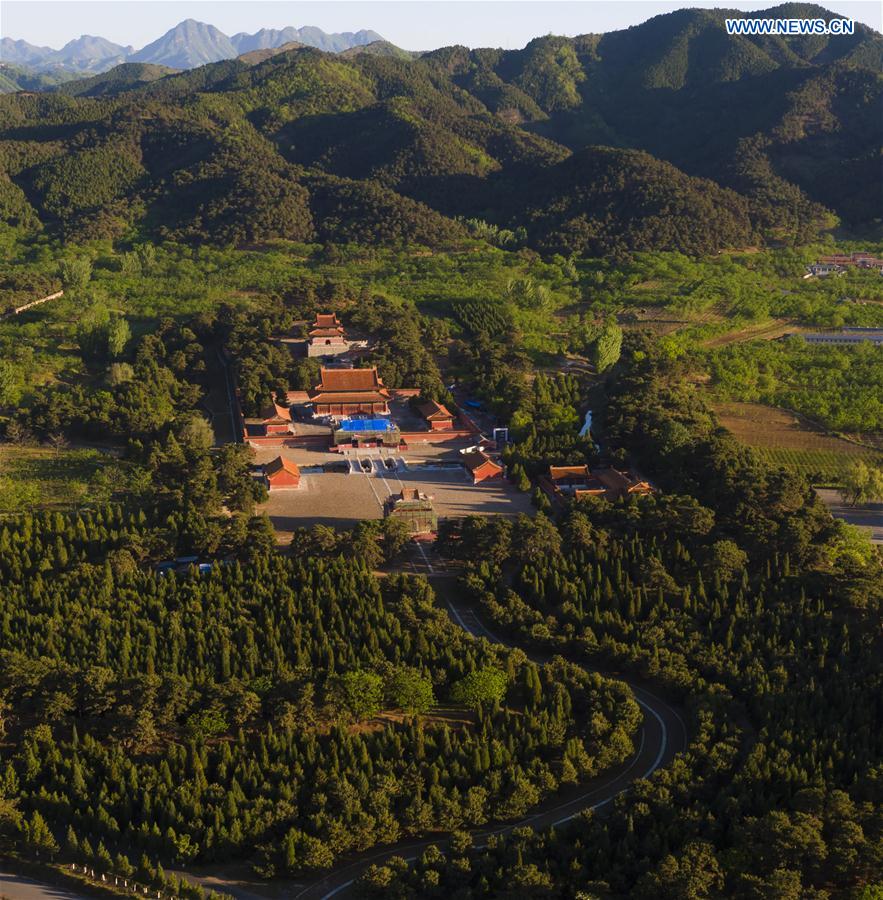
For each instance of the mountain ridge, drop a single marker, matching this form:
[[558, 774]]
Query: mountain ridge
[[187, 45], [665, 136], [309, 35]]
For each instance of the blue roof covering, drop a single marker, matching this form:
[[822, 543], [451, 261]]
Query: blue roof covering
[[366, 425]]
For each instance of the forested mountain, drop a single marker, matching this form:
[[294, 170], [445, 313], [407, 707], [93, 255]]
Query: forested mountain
[[20, 78], [124, 77], [669, 135]]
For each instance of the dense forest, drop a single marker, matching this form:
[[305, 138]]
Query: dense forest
[[291, 707], [608, 224], [739, 592], [388, 149]]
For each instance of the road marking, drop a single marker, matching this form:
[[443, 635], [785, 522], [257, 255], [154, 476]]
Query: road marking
[[663, 746], [653, 766], [370, 480], [343, 887], [460, 621], [598, 805], [425, 558]]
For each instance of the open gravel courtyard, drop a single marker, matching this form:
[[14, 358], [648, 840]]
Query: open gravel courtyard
[[341, 500]]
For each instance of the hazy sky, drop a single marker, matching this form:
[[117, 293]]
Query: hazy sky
[[413, 24]]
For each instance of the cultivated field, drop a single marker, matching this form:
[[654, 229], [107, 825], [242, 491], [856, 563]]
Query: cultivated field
[[768, 330], [787, 440]]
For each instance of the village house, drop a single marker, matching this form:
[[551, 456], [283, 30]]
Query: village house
[[860, 259], [437, 416], [349, 392], [282, 473], [822, 270], [414, 509], [327, 336], [480, 466], [273, 419], [837, 263]]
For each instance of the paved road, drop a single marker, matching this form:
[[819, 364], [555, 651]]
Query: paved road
[[18, 887], [662, 735], [867, 515]]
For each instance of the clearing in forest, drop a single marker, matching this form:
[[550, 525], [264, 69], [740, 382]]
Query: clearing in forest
[[43, 478]]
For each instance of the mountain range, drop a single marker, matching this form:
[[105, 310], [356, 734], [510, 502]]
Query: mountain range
[[668, 135], [188, 45]]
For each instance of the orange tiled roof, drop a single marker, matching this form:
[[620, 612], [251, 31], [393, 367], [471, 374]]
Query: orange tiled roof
[[432, 410], [621, 482], [273, 412], [280, 464], [562, 473], [326, 332], [597, 490], [321, 397], [477, 459], [349, 380]]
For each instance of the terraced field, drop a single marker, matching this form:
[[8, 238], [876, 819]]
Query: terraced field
[[788, 440]]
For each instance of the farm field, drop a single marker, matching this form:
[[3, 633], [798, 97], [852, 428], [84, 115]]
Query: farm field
[[786, 440], [767, 331]]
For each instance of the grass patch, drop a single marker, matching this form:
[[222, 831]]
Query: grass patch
[[39, 478]]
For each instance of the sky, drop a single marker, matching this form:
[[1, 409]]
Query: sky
[[412, 24]]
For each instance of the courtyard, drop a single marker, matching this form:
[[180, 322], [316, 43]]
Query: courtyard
[[341, 499]]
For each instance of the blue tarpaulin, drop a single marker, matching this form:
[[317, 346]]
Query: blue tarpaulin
[[366, 425]]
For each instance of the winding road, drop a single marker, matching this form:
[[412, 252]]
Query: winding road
[[663, 734]]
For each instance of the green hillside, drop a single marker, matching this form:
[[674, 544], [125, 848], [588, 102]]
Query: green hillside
[[20, 78], [739, 139], [124, 77]]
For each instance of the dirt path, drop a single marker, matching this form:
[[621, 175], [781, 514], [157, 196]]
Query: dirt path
[[20, 309]]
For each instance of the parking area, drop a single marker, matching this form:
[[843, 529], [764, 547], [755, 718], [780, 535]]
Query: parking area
[[340, 500]]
